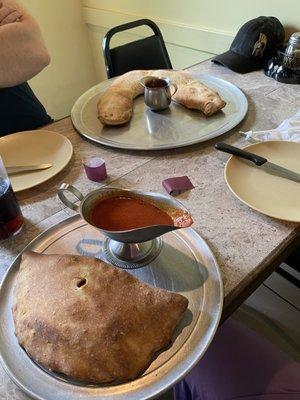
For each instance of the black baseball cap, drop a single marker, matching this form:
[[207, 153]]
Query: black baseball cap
[[253, 45]]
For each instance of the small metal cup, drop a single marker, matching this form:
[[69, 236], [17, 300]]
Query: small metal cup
[[157, 92]]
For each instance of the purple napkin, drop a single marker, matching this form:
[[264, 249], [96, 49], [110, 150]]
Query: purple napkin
[[176, 185]]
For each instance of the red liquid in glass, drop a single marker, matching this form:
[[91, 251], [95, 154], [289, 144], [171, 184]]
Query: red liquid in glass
[[11, 219]]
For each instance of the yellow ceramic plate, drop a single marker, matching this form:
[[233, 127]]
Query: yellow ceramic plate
[[35, 147], [269, 194]]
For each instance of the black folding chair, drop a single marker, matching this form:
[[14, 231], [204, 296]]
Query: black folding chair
[[146, 53]]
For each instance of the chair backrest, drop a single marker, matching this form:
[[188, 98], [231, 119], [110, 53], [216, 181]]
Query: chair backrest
[[146, 53]]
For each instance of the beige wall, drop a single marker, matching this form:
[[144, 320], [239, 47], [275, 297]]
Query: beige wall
[[72, 70], [193, 30], [223, 15]]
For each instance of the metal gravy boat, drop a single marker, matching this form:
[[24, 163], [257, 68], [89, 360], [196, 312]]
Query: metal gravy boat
[[132, 248]]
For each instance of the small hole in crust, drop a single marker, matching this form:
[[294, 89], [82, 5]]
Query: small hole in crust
[[81, 283]]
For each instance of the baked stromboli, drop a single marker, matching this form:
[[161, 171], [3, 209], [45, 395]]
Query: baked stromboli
[[115, 106], [91, 321]]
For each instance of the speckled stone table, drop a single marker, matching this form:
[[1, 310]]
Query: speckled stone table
[[247, 245]]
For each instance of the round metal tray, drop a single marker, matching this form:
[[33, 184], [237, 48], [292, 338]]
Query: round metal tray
[[185, 265], [174, 127]]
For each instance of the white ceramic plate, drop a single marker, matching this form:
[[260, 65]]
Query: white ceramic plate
[[269, 194], [35, 147], [174, 127]]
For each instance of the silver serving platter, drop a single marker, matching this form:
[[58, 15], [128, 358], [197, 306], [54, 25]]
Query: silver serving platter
[[185, 265], [174, 127]]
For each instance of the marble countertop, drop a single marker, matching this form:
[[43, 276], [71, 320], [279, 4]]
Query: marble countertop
[[245, 243]]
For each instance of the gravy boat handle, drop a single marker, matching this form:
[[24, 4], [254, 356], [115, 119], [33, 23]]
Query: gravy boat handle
[[65, 187]]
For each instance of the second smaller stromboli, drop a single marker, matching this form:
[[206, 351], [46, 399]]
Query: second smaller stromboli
[[115, 106]]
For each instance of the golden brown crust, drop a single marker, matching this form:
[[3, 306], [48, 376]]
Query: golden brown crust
[[195, 95], [106, 330], [115, 104]]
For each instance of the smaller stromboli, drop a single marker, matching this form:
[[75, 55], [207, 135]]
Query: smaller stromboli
[[115, 106]]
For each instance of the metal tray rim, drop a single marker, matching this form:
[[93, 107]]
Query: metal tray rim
[[159, 390], [235, 121]]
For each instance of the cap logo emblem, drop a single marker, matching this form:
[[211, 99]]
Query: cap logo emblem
[[260, 45]]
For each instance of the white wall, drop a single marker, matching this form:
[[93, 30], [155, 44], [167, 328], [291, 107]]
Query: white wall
[[72, 70], [193, 30]]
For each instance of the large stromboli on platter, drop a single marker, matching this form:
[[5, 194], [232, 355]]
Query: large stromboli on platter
[[89, 320], [115, 106]]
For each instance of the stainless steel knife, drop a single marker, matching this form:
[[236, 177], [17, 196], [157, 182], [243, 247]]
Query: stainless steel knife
[[26, 168], [259, 161]]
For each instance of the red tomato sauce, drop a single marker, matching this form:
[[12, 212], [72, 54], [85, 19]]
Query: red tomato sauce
[[124, 213]]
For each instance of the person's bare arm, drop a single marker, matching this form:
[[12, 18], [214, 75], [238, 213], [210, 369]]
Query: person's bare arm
[[22, 50], [8, 14]]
